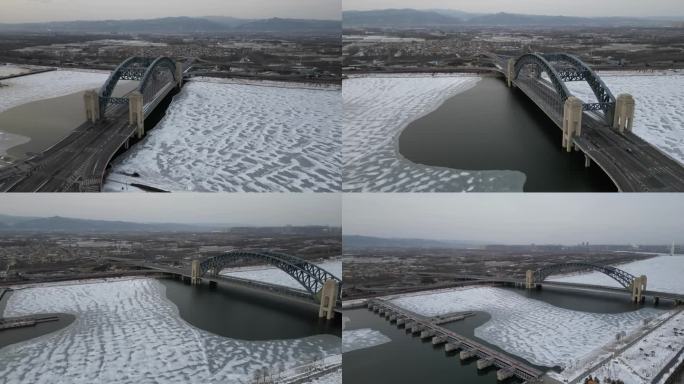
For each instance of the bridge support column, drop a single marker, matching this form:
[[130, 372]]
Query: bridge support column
[[92, 105], [638, 288], [510, 72], [179, 74], [529, 279], [195, 275], [328, 300], [587, 161], [466, 354], [135, 113], [624, 113], [572, 121], [503, 374], [437, 340], [484, 363], [448, 347]]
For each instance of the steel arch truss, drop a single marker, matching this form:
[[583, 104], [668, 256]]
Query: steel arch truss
[[532, 65], [310, 276], [574, 69], [624, 278], [153, 75]]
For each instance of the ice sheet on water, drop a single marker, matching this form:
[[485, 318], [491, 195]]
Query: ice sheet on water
[[664, 274], [534, 330], [659, 117], [128, 332], [376, 110], [240, 138], [362, 338], [277, 276], [22, 90]]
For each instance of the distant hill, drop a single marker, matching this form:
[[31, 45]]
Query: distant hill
[[65, 224], [397, 18], [405, 18], [360, 242], [181, 25]]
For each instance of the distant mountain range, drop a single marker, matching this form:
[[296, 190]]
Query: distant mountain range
[[360, 242], [183, 26], [70, 225], [412, 18]]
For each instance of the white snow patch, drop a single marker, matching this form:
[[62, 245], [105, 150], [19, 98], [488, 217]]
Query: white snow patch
[[240, 138], [277, 276], [645, 359], [664, 274], [376, 110], [11, 70], [362, 338], [128, 332], [541, 333], [47, 85], [659, 117]]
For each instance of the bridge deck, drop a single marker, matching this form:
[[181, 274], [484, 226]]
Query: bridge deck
[[500, 360], [77, 163], [633, 164]]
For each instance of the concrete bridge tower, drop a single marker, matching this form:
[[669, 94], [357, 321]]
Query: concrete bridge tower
[[529, 279], [195, 275], [92, 105], [135, 112], [179, 74], [638, 288], [328, 299], [572, 121], [510, 72], [624, 113]]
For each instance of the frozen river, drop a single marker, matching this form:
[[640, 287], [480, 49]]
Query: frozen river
[[127, 331]]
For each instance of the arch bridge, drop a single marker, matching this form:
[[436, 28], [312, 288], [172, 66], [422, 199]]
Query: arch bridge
[[156, 78], [323, 287], [600, 128], [634, 284]]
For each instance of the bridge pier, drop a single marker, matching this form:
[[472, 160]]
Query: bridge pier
[[466, 354], [503, 374], [136, 115], [624, 113], [529, 279], [510, 72], [587, 161], [448, 347], [426, 334], [572, 121], [92, 105], [638, 288], [484, 363], [179, 75], [437, 340], [196, 274], [328, 300]]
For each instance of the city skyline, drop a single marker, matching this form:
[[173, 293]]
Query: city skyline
[[209, 208], [581, 8], [517, 219], [29, 11]]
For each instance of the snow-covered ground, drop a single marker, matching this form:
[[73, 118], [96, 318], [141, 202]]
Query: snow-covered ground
[[644, 360], [11, 70], [664, 274], [376, 110], [235, 137], [539, 332], [127, 331], [47, 85], [659, 117], [332, 378], [276, 276], [362, 338]]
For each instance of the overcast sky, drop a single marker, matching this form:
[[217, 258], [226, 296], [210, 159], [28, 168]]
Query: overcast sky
[[518, 218], [539, 7], [234, 208], [19, 11]]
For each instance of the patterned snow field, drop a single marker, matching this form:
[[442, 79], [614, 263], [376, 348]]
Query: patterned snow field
[[126, 331], [664, 274], [645, 359], [47, 85], [541, 333], [362, 338], [272, 275], [659, 117], [333, 378], [376, 110], [235, 137]]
